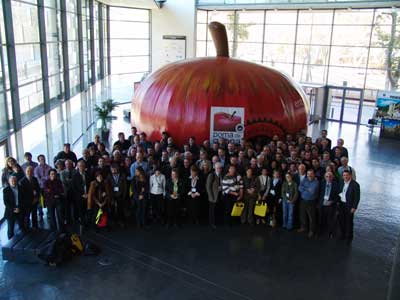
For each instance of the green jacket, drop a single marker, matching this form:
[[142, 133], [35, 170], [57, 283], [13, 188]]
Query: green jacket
[[291, 190]]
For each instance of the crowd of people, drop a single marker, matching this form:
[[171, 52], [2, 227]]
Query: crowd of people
[[306, 185]]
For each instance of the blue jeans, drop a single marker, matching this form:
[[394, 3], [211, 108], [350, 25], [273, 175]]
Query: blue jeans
[[287, 214]]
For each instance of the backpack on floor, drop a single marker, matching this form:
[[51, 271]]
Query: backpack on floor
[[57, 251], [76, 243]]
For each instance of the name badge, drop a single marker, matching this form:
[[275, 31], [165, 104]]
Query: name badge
[[193, 190], [287, 195], [272, 192], [116, 189]]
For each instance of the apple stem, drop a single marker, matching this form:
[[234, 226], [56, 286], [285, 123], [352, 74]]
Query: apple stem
[[233, 114], [220, 38]]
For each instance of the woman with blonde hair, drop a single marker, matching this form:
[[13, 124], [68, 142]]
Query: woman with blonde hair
[[8, 170]]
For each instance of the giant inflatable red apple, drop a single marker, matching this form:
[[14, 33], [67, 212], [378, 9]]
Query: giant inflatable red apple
[[180, 97]]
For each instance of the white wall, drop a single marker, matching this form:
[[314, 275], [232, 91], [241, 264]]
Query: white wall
[[177, 17]]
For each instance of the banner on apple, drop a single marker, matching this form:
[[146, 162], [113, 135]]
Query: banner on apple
[[227, 123]]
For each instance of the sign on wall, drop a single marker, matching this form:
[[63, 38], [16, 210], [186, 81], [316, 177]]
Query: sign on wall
[[388, 104], [174, 48], [227, 123]]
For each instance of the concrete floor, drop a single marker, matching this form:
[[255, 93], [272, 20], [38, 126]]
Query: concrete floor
[[242, 262]]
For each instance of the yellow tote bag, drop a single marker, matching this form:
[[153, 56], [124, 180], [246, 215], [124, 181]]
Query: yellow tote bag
[[260, 209], [237, 209], [41, 200]]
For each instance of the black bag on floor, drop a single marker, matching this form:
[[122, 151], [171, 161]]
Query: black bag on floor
[[57, 250], [91, 249]]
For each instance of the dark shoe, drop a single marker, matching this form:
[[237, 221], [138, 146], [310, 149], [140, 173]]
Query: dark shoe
[[301, 230], [310, 235], [213, 226]]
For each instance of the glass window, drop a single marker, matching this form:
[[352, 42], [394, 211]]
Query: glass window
[[280, 34], [57, 130], [52, 26], [353, 77], [315, 55], [349, 56], [74, 81], [73, 54], [121, 65], [72, 26], [28, 63], [382, 34], [310, 73], [202, 32], [122, 86], [285, 68], [201, 16], [76, 117], [55, 86], [32, 141], [347, 35], [376, 79], [71, 6], [278, 53], [314, 34], [201, 49], [30, 96], [249, 33], [129, 47], [124, 30], [25, 22], [363, 17], [315, 17], [377, 58], [3, 116], [281, 17], [249, 51], [134, 15], [54, 58], [224, 17], [250, 17]]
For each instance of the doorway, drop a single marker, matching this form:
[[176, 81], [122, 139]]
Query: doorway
[[345, 104]]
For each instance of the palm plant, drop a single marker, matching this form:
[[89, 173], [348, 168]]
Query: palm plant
[[104, 111]]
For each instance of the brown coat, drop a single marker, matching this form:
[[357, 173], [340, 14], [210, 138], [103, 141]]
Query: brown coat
[[96, 195]]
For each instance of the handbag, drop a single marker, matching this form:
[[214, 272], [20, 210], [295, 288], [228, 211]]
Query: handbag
[[237, 209], [103, 220], [260, 209], [41, 201]]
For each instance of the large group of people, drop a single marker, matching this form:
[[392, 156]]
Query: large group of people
[[306, 185]]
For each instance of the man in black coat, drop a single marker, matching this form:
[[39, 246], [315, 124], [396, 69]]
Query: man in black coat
[[349, 193], [66, 154], [31, 193], [328, 199], [80, 188], [14, 203]]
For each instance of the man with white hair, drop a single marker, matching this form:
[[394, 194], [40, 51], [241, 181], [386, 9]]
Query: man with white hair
[[345, 167], [14, 203]]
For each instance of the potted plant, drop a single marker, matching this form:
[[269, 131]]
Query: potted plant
[[104, 111]]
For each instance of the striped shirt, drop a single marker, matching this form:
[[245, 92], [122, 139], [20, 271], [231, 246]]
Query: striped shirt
[[231, 184]]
